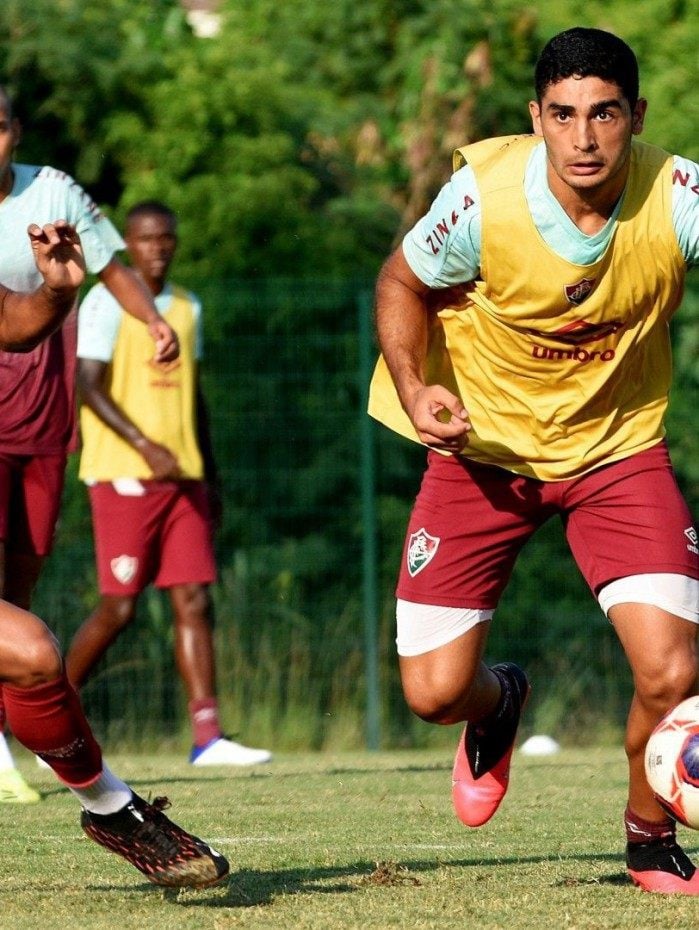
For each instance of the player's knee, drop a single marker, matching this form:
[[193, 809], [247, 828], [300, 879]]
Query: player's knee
[[38, 661], [117, 612], [668, 685], [194, 606], [432, 706]]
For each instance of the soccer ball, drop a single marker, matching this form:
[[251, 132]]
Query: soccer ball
[[672, 762]]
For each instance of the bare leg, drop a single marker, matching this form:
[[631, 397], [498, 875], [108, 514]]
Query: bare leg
[[662, 651], [451, 683], [96, 635], [194, 645]]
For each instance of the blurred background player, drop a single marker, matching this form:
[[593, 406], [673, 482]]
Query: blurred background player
[[37, 387], [42, 707], [148, 461]]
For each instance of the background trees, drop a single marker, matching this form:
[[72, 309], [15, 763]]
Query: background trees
[[296, 146]]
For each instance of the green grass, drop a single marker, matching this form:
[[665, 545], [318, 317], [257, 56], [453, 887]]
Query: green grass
[[332, 842]]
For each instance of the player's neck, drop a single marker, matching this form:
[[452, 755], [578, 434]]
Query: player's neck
[[588, 208]]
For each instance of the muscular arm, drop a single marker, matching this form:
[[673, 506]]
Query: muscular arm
[[133, 295], [27, 318], [403, 309], [91, 382]]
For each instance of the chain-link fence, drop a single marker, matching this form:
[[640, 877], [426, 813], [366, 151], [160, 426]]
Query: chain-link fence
[[316, 499]]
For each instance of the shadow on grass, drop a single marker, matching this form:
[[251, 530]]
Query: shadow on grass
[[254, 888]]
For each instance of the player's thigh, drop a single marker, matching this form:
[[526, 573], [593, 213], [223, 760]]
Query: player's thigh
[[630, 518], [661, 648], [467, 526], [35, 505], [443, 676], [186, 541]]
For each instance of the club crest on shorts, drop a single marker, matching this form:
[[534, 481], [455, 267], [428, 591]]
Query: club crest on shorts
[[422, 548], [124, 568]]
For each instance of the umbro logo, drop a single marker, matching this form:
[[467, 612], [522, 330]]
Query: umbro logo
[[693, 538]]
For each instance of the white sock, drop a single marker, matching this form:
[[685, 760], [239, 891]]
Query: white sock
[[107, 796], [6, 760]]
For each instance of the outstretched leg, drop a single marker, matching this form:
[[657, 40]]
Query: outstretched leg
[[45, 715]]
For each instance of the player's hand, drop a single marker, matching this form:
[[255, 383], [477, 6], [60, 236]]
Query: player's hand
[[167, 345], [58, 254], [162, 463], [440, 418]]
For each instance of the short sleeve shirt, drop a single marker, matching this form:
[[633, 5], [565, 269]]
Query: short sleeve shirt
[[36, 388], [441, 259], [100, 316]]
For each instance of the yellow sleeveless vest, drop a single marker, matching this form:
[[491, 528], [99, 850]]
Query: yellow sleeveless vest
[[562, 367], [159, 398]]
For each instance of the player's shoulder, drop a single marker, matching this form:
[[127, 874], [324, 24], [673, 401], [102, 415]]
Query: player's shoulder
[[183, 293], [485, 150], [177, 290], [46, 175], [685, 173], [98, 297]]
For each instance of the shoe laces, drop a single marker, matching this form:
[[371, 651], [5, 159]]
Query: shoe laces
[[157, 831]]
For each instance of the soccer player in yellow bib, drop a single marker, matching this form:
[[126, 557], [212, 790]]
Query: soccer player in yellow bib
[[148, 462], [523, 325]]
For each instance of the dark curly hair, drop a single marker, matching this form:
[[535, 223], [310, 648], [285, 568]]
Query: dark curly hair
[[587, 53]]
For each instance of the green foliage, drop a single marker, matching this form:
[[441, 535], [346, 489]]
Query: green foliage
[[295, 146]]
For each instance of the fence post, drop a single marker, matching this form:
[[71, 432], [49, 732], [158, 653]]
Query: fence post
[[367, 477]]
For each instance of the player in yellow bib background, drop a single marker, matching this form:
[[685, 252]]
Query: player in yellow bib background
[[523, 325], [148, 462]]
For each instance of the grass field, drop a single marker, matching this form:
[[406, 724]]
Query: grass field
[[320, 842]]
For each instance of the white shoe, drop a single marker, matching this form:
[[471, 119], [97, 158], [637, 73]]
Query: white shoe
[[224, 751]]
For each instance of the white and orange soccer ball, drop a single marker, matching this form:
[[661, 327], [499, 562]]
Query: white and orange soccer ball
[[672, 762]]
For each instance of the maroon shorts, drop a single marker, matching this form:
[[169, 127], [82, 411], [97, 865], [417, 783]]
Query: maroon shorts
[[470, 521], [162, 537], [30, 499]]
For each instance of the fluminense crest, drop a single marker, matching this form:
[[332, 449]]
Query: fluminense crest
[[124, 568], [422, 548]]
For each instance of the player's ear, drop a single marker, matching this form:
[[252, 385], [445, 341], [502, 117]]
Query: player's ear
[[535, 113], [16, 132], [638, 116]]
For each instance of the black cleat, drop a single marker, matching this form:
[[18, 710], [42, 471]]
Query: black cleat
[[165, 853], [482, 764], [662, 866]]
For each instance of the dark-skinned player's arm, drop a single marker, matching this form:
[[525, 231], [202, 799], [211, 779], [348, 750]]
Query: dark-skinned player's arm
[[131, 293], [403, 308], [92, 378], [26, 318], [211, 476]]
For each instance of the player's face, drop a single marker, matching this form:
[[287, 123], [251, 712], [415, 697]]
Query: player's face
[[151, 240], [9, 137], [587, 125]]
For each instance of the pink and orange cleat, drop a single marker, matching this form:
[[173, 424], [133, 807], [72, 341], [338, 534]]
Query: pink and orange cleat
[[482, 764], [662, 866]]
